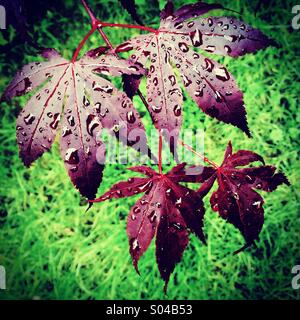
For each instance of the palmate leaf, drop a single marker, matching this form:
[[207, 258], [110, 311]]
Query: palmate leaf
[[235, 199], [209, 83], [83, 103], [167, 210]]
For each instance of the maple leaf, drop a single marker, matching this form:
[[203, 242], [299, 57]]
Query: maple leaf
[[90, 103], [209, 83], [167, 210], [235, 199]]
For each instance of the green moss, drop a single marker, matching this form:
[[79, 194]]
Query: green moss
[[52, 249]]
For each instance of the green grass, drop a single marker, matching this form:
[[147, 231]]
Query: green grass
[[52, 249]]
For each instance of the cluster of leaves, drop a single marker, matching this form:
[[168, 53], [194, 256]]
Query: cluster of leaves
[[70, 95]]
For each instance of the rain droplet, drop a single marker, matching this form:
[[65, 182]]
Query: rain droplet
[[71, 156], [116, 128], [232, 38], [218, 96], [152, 216], [97, 107], [177, 110], [190, 24], [242, 27], [210, 48], [130, 180], [249, 179], [92, 123], [199, 93], [86, 101], [152, 68], [222, 74], [186, 81], [135, 244], [227, 49], [236, 196], [178, 25], [183, 47], [210, 22], [155, 81], [196, 38], [29, 119], [156, 109], [178, 226], [66, 131], [136, 210], [172, 80], [55, 122], [208, 65], [257, 204], [124, 104], [50, 114], [71, 121], [178, 203], [130, 117]]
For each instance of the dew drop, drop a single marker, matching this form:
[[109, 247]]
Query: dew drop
[[130, 117], [183, 47], [97, 107], [135, 244], [177, 110], [196, 38], [172, 80], [152, 68], [178, 25], [218, 96], [186, 81], [190, 24], [156, 109], [155, 81], [29, 119], [199, 93], [92, 123], [249, 179], [66, 131], [86, 101], [55, 122], [71, 121], [71, 156], [130, 180], [210, 48], [136, 209], [227, 49], [208, 65], [222, 74]]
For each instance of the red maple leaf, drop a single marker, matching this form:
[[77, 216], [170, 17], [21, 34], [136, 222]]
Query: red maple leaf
[[167, 210]]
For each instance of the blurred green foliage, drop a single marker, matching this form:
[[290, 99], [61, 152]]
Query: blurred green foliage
[[52, 249]]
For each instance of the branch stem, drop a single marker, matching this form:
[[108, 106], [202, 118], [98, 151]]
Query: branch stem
[[81, 44], [160, 142], [205, 159]]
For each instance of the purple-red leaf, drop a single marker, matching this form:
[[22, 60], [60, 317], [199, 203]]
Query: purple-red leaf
[[235, 199], [167, 209], [210, 84], [90, 102]]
